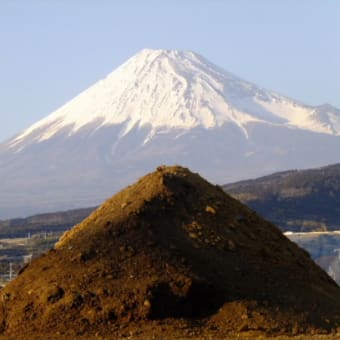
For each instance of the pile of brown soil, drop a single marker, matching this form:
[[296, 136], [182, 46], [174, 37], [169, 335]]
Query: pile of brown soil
[[171, 256]]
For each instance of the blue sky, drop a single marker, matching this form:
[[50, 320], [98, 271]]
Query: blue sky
[[52, 50]]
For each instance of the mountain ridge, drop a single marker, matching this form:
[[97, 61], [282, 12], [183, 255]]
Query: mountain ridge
[[53, 221], [296, 200]]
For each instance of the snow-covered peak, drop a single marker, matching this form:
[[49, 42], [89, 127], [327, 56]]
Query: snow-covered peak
[[170, 89]]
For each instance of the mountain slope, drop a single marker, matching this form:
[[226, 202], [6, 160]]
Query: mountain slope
[[160, 107], [171, 256], [299, 200]]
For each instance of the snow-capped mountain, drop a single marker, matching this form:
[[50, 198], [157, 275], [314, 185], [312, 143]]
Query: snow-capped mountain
[[160, 107], [178, 90]]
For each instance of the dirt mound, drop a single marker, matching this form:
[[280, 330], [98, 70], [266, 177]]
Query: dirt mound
[[171, 255]]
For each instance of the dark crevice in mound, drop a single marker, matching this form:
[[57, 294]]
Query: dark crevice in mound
[[200, 301]]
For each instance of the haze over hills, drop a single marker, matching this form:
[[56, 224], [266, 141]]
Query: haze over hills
[[298, 200], [160, 107]]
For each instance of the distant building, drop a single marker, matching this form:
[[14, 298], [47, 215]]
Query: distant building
[[27, 258]]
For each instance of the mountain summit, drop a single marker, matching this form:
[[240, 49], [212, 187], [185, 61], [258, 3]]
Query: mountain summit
[[161, 106]]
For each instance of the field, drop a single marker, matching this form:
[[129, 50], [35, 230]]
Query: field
[[16, 252]]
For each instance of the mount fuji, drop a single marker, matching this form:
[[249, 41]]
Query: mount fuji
[[160, 107]]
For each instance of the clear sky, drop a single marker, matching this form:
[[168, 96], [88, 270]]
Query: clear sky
[[51, 50]]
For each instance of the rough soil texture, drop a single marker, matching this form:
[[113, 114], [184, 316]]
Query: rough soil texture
[[171, 256]]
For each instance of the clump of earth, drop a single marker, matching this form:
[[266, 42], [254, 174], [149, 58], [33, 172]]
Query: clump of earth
[[171, 256]]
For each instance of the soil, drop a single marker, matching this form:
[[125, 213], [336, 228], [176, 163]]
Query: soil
[[171, 257]]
